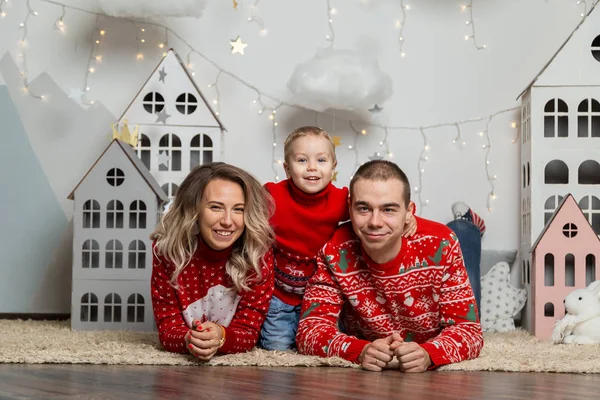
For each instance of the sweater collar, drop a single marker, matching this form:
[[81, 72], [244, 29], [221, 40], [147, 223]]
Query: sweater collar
[[393, 264], [213, 256], [308, 198]]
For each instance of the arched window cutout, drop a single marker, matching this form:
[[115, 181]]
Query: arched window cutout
[[91, 214], [556, 119], [588, 118], [144, 150], [590, 206], [570, 270], [523, 273], [556, 172], [114, 254], [153, 102], [137, 255], [549, 206], [596, 48], [170, 146], [114, 214], [112, 308], [186, 103], [528, 273], [90, 254], [135, 308], [89, 308], [170, 189], [524, 177], [548, 310], [590, 269], [589, 173], [549, 270], [137, 215], [528, 174], [201, 150]]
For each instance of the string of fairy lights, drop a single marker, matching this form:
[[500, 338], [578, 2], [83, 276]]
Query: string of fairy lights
[[267, 104], [471, 22], [400, 26]]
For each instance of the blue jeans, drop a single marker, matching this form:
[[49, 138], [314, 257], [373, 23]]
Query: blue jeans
[[469, 238], [279, 329]]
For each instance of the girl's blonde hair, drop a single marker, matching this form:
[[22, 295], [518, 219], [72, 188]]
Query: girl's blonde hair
[[306, 131], [176, 236]]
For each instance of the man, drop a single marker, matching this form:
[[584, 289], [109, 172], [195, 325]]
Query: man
[[403, 298]]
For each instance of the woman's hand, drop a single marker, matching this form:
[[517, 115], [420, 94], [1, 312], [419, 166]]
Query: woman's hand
[[203, 340]]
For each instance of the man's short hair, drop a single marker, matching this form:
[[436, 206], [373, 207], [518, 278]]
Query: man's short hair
[[382, 170]]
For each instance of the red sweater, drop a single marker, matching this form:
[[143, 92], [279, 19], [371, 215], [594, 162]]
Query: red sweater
[[303, 223], [203, 296], [424, 294]]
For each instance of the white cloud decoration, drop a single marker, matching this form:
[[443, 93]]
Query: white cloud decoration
[[148, 9], [339, 79]]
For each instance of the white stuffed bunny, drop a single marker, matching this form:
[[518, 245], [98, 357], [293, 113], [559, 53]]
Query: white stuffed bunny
[[581, 324]]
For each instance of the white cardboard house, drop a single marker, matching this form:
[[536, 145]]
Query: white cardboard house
[[178, 129], [117, 205], [560, 141]]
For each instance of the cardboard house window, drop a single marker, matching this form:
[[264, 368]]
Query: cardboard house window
[[570, 270], [91, 214], [186, 103], [528, 273], [548, 310], [114, 214], [550, 205], [153, 102], [114, 254], [556, 172], [137, 255], [89, 308], [596, 48], [170, 144], [144, 150], [112, 308], [115, 177], [201, 150], [590, 269], [590, 206], [589, 173], [588, 118], [569, 230], [523, 280], [90, 254], [556, 119], [549, 270], [528, 174], [137, 215], [170, 189], [135, 308]]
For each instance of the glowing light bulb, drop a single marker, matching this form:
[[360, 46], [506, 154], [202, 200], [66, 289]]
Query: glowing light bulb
[[161, 45], [364, 131], [102, 32], [139, 56], [92, 70]]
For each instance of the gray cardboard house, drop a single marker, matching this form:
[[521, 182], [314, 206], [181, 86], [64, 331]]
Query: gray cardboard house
[[117, 206], [560, 147], [178, 130]]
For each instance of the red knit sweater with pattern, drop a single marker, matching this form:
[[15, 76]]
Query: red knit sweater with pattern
[[207, 294], [424, 294], [303, 223]]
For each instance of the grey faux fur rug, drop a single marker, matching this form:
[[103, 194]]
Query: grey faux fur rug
[[38, 342]]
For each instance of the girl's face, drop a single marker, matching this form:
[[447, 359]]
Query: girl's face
[[221, 214], [310, 164]]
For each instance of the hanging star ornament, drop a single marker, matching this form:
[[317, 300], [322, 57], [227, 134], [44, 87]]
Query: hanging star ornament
[[337, 140], [376, 156], [334, 177], [163, 158], [237, 46], [162, 76], [162, 116], [235, 5], [375, 110]]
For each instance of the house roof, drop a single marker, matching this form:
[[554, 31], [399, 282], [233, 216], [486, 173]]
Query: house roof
[[556, 212], [137, 163], [193, 82], [583, 20]]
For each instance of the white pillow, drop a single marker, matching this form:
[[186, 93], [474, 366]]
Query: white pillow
[[500, 302]]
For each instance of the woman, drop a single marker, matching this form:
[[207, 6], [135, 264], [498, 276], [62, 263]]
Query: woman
[[212, 277]]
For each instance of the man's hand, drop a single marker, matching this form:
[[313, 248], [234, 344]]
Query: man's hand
[[376, 355], [412, 357], [203, 340]]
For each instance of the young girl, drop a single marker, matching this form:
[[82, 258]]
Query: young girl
[[308, 209], [213, 268]]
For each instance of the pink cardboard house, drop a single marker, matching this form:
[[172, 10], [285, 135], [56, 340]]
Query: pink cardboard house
[[563, 259]]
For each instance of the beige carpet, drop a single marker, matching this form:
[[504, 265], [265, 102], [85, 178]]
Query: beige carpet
[[38, 342]]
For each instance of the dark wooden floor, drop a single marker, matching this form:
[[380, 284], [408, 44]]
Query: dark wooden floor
[[147, 382]]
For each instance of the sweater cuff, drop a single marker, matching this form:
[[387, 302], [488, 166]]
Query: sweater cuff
[[354, 350], [437, 356]]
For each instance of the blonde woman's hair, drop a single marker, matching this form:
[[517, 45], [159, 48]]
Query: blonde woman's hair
[[307, 131], [176, 236]]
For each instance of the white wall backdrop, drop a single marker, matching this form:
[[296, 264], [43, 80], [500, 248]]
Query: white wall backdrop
[[442, 79]]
